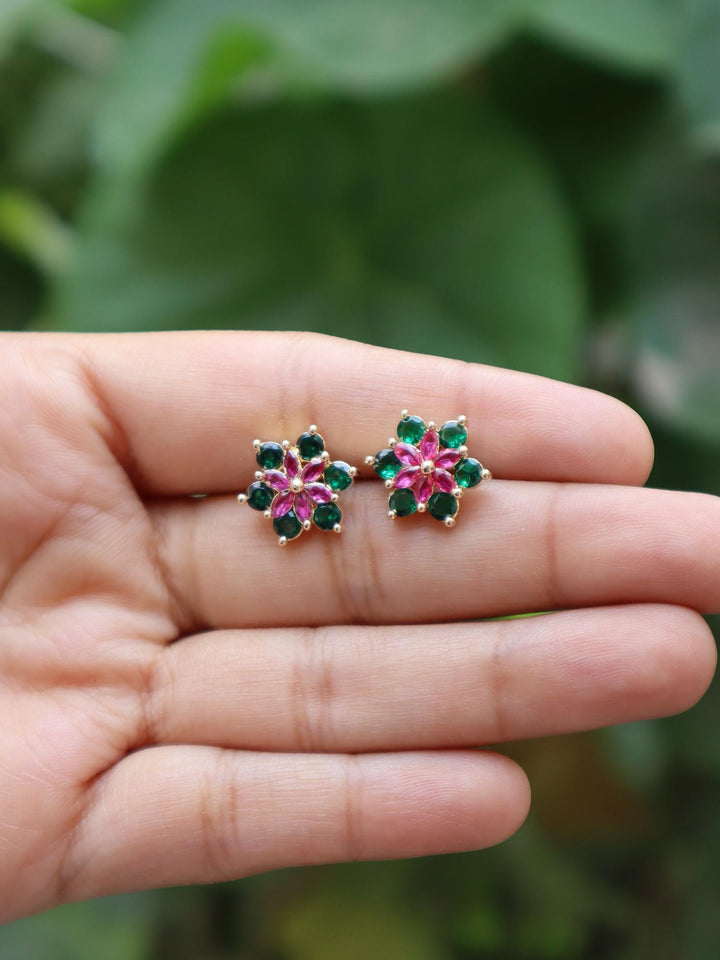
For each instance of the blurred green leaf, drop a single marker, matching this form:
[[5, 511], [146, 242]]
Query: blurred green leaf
[[332, 923], [478, 930], [550, 936], [102, 8], [21, 291], [636, 34], [699, 70], [116, 928], [15, 16], [374, 46], [317, 218], [53, 142], [78, 40], [29, 228], [558, 901], [635, 751], [677, 304]]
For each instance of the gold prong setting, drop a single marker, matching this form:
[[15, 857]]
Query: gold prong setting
[[298, 485], [427, 468]]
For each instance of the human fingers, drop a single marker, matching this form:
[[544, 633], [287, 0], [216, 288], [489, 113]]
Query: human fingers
[[350, 689], [517, 548], [191, 814], [183, 408]]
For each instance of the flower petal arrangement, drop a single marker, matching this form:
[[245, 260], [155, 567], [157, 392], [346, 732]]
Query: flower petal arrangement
[[298, 485], [428, 468]]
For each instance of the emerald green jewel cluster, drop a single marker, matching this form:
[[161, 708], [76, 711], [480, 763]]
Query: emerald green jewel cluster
[[428, 468], [298, 486]]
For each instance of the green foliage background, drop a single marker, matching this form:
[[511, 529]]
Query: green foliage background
[[532, 183]]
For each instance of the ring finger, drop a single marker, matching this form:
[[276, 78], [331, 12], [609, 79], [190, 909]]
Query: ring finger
[[353, 689]]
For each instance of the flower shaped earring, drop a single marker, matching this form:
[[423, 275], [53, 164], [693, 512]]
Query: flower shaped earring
[[428, 468], [298, 486]]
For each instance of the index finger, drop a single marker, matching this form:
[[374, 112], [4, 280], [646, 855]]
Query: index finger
[[190, 404]]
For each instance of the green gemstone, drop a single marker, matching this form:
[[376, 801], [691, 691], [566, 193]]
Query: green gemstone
[[337, 475], [270, 456], [310, 445], [442, 505], [403, 502], [468, 472], [386, 464], [452, 434], [288, 526], [327, 515], [411, 429], [259, 496]]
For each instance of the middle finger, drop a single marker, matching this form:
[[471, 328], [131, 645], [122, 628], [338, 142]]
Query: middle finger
[[351, 689], [518, 547]]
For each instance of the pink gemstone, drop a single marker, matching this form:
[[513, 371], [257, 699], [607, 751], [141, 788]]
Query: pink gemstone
[[443, 480], [292, 464], [319, 492], [282, 504], [406, 477], [312, 471], [424, 489], [277, 480], [407, 454], [429, 445], [447, 458], [303, 507]]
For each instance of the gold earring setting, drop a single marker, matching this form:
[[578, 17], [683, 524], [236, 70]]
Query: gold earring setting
[[298, 485], [428, 469]]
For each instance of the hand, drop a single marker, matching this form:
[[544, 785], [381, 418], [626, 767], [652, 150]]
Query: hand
[[182, 701]]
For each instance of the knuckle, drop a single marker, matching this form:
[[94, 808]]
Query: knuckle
[[499, 682], [353, 804], [219, 816], [313, 693]]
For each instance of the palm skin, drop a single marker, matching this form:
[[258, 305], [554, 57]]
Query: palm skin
[[182, 702], [84, 614]]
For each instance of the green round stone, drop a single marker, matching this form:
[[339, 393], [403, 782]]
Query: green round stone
[[259, 495], [270, 456], [386, 464], [452, 434], [310, 445], [288, 526], [337, 475], [326, 515], [468, 472], [442, 505], [411, 429], [403, 502]]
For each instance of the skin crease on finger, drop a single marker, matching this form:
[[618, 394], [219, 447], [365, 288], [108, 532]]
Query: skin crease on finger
[[88, 607]]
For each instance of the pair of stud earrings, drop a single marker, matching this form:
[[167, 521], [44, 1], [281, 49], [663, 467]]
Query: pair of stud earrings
[[425, 469]]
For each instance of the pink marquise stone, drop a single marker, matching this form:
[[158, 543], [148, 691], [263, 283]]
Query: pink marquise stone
[[303, 507], [276, 479], [407, 454], [292, 464], [406, 477], [443, 480], [429, 445], [319, 492], [424, 489], [312, 471], [447, 458], [282, 504]]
